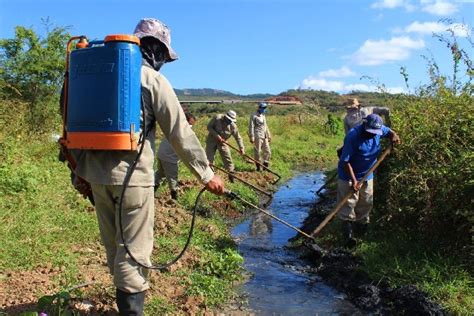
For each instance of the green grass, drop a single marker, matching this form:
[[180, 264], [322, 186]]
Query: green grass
[[41, 215], [43, 219]]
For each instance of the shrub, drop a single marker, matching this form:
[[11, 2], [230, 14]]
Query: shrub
[[427, 185]]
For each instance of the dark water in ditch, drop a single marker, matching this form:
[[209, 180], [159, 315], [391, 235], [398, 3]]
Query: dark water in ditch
[[278, 286]]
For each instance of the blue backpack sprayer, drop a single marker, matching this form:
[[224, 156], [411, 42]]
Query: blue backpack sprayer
[[102, 107]]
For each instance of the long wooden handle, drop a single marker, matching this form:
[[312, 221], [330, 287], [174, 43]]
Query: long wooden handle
[[344, 200], [243, 181], [254, 160], [232, 195], [327, 182]]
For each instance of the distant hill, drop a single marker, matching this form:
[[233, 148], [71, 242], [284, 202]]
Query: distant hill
[[215, 94], [327, 99], [334, 100]]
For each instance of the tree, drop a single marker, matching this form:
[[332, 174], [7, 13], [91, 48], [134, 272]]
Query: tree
[[32, 69]]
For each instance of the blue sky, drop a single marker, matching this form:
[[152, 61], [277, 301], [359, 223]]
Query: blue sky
[[268, 46]]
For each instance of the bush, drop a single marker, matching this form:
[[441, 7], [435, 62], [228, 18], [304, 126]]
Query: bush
[[427, 185], [30, 77]]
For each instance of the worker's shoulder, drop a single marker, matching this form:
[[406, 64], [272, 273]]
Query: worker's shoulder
[[149, 76], [354, 133]]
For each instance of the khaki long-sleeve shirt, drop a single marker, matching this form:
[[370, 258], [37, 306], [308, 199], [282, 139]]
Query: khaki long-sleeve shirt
[[218, 126], [162, 106], [258, 127], [354, 117]]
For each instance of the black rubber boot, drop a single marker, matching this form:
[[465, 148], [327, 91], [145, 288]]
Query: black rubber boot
[[174, 195], [231, 178], [360, 229], [266, 164], [349, 234], [258, 166], [130, 304]]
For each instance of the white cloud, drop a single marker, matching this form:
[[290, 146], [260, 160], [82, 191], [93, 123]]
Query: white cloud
[[392, 4], [426, 27], [439, 7], [315, 83], [373, 53], [337, 73], [459, 29]]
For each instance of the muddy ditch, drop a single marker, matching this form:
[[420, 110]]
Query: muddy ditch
[[342, 269]]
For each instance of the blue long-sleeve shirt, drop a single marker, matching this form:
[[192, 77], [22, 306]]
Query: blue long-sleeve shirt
[[360, 152]]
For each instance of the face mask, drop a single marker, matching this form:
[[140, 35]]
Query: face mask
[[262, 110], [154, 52]]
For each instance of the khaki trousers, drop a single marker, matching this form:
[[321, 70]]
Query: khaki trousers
[[168, 170], [261, 149], [224, 151], [360, 203], [137, 221]]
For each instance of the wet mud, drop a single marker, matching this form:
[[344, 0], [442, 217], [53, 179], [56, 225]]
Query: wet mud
[[342, 269]]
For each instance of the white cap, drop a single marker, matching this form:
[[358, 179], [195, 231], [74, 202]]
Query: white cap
[[231, 116]]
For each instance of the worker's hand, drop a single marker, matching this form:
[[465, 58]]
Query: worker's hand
[[252, 140], [395, 139], [356, 185], [216, 185], [220, 139]]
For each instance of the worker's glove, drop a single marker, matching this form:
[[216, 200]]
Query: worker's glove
[[242, 151], [269, 139]]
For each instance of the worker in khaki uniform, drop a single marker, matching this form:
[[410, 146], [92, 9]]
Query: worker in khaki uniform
[[360, 151], [221, 128], [356, 113], [259, 135], [107, 170], [168, 164]]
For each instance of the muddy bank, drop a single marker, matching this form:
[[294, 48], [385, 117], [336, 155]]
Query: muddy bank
[[342, 269]]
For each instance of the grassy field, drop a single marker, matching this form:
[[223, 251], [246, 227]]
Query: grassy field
[[47, 227]]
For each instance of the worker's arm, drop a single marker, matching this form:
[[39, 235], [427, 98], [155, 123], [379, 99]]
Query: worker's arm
[[238, 138], [394, 138], [348, 151], [388, 132], [348, 169], [267, 130], [251, 129], [172, 121]]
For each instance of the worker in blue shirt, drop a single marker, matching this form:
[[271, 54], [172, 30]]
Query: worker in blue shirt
[[359, 154]]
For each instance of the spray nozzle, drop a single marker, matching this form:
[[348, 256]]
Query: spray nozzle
[[230, 195]]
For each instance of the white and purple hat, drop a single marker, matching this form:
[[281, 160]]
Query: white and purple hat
[[157, 29]]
